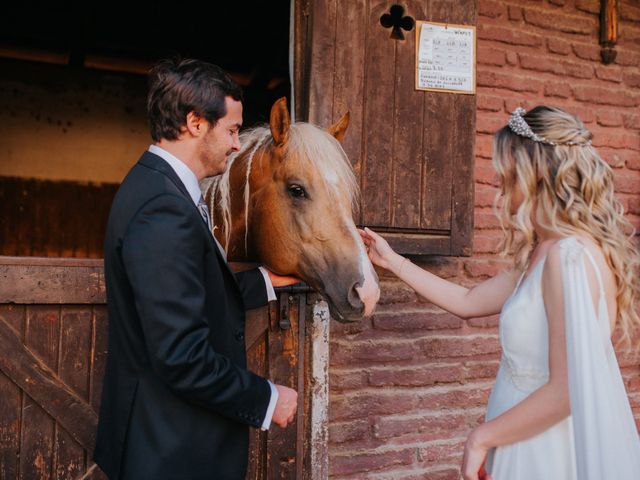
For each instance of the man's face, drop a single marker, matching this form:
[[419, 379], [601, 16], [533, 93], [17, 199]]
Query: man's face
[[222, 140]]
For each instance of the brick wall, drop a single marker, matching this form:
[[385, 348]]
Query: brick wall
[[408, 385]]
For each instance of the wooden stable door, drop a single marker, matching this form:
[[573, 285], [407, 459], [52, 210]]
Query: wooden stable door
[[53, 339], [412, 150]]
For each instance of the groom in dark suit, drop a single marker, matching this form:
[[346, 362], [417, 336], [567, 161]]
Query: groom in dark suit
[[177, 397]]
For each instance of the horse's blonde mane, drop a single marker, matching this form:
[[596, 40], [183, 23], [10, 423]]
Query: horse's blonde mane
[[311, 145]]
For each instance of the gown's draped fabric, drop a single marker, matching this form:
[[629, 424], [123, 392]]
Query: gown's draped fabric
[[599, 440]]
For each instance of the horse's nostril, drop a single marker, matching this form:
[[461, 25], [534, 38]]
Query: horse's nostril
[[354, 297]]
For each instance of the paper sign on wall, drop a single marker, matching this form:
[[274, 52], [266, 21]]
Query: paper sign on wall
[[446, 57]]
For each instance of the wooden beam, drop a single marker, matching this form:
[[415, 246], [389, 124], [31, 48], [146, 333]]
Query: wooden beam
[[30, 280], [46, 388]]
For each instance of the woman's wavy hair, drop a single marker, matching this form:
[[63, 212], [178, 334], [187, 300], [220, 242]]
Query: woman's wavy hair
[[567, 189]]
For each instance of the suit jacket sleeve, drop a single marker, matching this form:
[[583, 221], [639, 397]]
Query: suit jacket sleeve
[[162, 253], [254, 291]]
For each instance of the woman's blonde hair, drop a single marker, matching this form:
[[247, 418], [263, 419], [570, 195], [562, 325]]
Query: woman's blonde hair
[[566, 188]]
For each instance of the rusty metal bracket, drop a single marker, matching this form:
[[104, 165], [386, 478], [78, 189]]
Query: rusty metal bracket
[[286, 300]]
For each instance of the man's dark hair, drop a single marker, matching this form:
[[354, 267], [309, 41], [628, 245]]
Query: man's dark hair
[[177, 87]]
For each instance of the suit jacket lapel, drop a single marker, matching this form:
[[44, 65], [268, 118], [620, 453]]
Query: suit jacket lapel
[[153, 161]]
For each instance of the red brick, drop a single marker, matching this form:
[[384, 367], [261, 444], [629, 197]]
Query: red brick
[[491, 56], [610, 73], [484, 146], [486, 221], [626, 181], [485, 195], [485, 173], [613, 156], [484, 322], [557, 89], [586, 114], [343, 464], [507, 81], [396, 292], [629, 12], [403, 321], [559, 46], [344, 380], [603, 96], [483, 267], [632, 79], [490, 103], [587, 51], [348, 431], [387, 427], [351, 328], [611, 138], [444, 267], [608, 118], [633, 161], [489, 122], [631, 121], [577, 70], [468, 397], [442, 452], [491, 9], [590, 6], [483, 243], [515, 13], [417, 376], [512, 36], [349, 353], [484, 369], [458, 346], [540, 63], [512, 58], [627, 58], [560, 22], [559, 3], [365, 404]]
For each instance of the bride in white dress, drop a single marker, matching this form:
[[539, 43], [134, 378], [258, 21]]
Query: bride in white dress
[[558, 409]]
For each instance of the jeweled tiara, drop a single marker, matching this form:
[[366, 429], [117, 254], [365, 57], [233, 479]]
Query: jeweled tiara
[[519, 126]]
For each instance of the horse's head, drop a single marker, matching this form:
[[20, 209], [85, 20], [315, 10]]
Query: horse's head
[[295, 214]]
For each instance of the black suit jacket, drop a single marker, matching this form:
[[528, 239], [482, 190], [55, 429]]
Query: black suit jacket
[[177, 399]]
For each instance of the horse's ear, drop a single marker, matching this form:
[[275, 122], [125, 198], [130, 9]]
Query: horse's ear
[[280, 121], [339, 129]]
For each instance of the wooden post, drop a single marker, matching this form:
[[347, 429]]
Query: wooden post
[[318, 330]]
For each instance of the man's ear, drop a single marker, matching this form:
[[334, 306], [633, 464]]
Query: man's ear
[[195, 124]]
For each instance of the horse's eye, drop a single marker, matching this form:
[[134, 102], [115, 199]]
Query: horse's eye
[[297, 191]]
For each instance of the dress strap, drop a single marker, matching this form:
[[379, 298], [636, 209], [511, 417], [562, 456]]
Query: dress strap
[[597, 269]]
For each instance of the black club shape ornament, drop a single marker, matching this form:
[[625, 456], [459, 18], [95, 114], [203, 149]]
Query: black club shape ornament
[[396, 20]]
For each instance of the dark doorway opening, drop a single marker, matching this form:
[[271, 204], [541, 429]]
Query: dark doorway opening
[[72, 92]]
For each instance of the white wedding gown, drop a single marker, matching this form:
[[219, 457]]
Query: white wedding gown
[[599, 440]]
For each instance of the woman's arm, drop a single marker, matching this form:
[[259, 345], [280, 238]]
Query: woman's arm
[[487, 298]]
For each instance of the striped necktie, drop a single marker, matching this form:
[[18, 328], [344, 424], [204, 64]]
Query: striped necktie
[[204, 212]]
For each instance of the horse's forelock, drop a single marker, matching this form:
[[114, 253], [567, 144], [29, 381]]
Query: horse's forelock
[[323, 153]]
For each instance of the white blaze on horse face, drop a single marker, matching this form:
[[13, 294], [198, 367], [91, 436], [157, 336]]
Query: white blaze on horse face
[[369, 291]]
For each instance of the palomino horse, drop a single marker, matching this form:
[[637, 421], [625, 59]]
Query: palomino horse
[[287, 200]]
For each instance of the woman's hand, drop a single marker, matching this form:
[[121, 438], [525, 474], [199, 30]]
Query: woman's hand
[[379, 251], [475, 454]]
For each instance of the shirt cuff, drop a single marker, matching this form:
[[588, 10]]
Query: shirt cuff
[[271, 293], [271, 408]]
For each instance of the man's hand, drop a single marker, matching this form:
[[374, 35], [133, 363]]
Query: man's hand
[[286, 406], [282, 280]]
